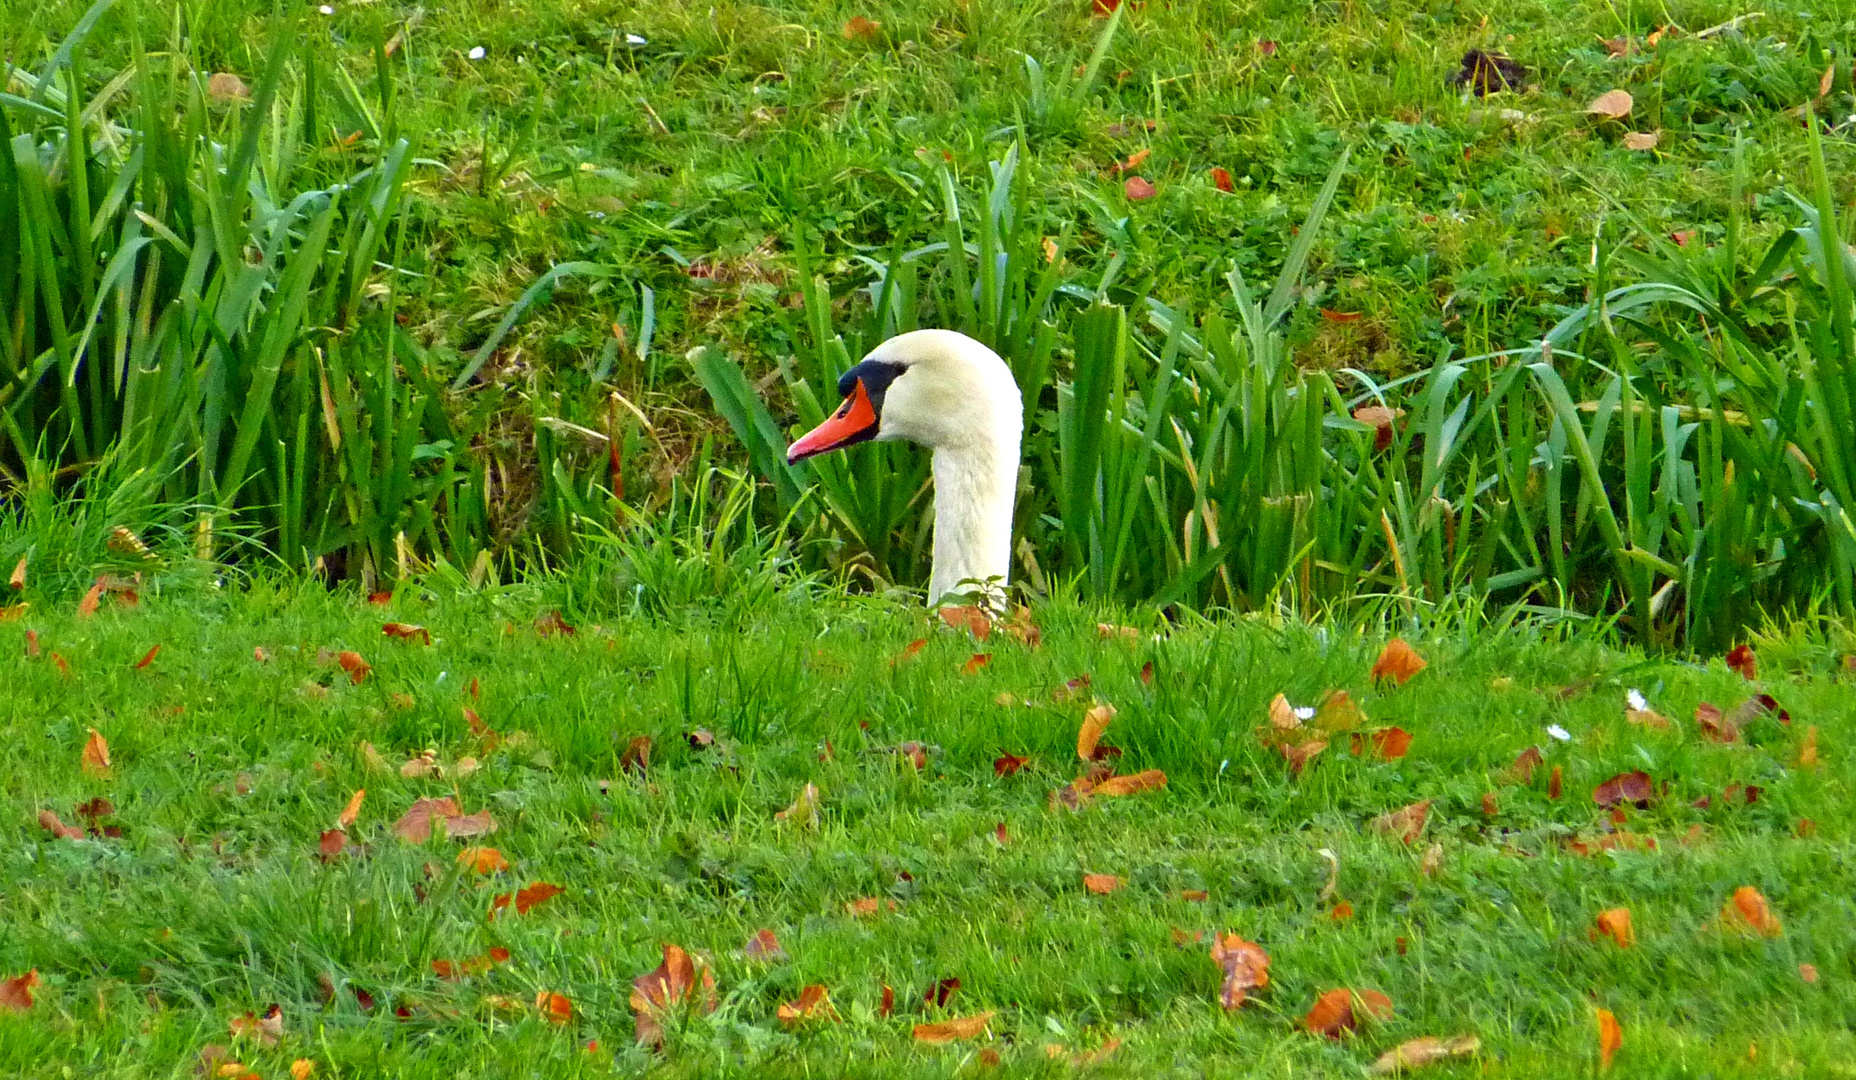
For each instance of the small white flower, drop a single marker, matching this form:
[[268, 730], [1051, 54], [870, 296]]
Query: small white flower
[[1559, 733], [476, 52], [1305, 712], [634, 39], [326, 10], [1635, 700]]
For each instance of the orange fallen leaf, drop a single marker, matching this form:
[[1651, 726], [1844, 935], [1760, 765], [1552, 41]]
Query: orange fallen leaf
[[974, 620], [763, 946], [1749, 911], [51, 823], [1007, 764], [1221, 179], [1101, 884], [331, 844], [352, 811], [999, 834], [406, 631], [18, 580], [1614, 923], [1339, 1011], [88, 605], [908, 651], [1129, 785], [1610, 1038], [677, 983], [534, 895], [555, 1008], [1095, 722], [96, 756], [16, 992], [1807, 749], [1392, 743], [863, 907], [1110, 631], [552, 625], [1416, 1053], [352, 663], [1138, 189], [859, 28], [148, 657], [1134, 160], [1405, 823], [1646, 718], [261, 654], [804, 811], [1341, 911], [1398, 661], [483, 860], [1553, 783], [1742, 660], [1489, 806], [1384, 422], [966, 1027], [1632, 787], [1338, 713], [814, 1003], [1300, 754], [1245, 965], [302, 1069], [977, 661], [64, 668], [1194, 896], [888, 1004], [1807, 972], [415, 826], [637, 755]]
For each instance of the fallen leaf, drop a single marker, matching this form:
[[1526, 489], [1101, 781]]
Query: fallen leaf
[[88, 605], [1398, 661], [1341, 912], [552, 625], [483, 860], [859, 28], [1749, 911], [1631, 787], [371, 757], [1336, 1011], [1433, 860], [1618, 46], [1489, 805], [1640, 140], [1194, 896], [1101, 884], [555, 1008], [266, 1029], [1095, 722], [1050, 250], [863, 907], [415, 826], [32, 644], [406, 631], [1807, 749], [16, 992], [1128, 785], [941, 992], [51, 823], [1338, 713], [1485, 73], [637, 755], [1807, 972], [1245, 965], [1646, 718], [302, 1069], [1391, 744], [1282, 714], [420, 767], [18, 580], [1741, 659], [1267, 47], [352, 663], [763, 946], [804, 811], [148, 657], [1221, 179], [1553, 783], [813, 1003], [1299, 755], [966, 1027], [1826, 81], [974, 620], [352, 811], [63, 667], [226, 88], [534, 895], [672, 985], [1138, 189], [977, 661], [999, 834], [1147, 673], [1683, 237], [1134, 160], [1334, 316], [261, 654], [909, 651], [1383, 422], [1612, 104], [1614, 923], [331, 844], [1405, 823], [1610, 1038], [1422, 1051], [1007, 764], [96, 756], [1110, 631]]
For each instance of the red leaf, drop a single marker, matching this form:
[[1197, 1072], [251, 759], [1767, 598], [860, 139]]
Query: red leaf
[[1335, 1011], [1341, 316], [1398, 661], [763, 946], [1405, 823], [406, 631], [1221, 179], [96, 756], [1553, 784], [941, 993], [1391, 743], [1007, 764], [148, 658], [908, 651], [1138, 189], [1102, 9], [889, 1003], [16, 992], [380, 599], [1741, 659], [1245, 965], [555, 1008], [1631, 787], [976, 662], [974, 620], [352, 663], [552, 624], [331, 845], [51, 823]]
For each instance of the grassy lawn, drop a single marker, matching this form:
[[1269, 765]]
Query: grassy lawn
[[226, 769]]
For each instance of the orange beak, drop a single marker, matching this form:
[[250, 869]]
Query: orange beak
[[854, 421]]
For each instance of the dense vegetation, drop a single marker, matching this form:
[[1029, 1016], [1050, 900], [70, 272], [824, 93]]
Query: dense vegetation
[[294, 305]]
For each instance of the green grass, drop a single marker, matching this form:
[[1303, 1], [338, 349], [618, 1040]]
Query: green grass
[[226, 769]]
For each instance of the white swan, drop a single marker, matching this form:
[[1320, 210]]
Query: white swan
[[950, 393]]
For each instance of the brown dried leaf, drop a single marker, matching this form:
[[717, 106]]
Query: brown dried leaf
[[1640, 140], [1095, 722], [351, 662], [1632, 787], [534, 895], [1422, 1051], [1146, 780], [1340, 1011], [1405, 823], [1614, 923], [96, 756], [975, 662], [1138, 189], [859, 28], [16, 992], [1245, 965], [1646, 718], [637, 755], [406, 632], [814, 1003], [1741, 659], [966, 1027], [1383, 421], [1102, 884], [973, 619], [763, 946], [1298, 755], [1007, 764], [18, 580], [1612, 104], [51, 823], [1750, 912], [331, 844], [266, 1029]]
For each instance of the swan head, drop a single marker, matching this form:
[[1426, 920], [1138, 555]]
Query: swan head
[[939, 388]]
